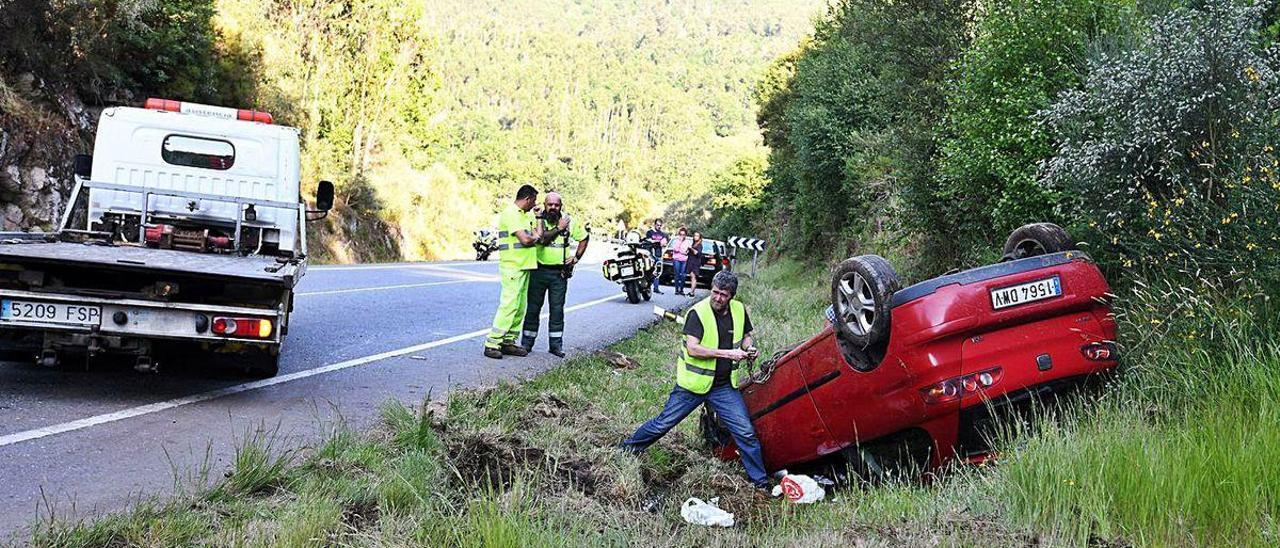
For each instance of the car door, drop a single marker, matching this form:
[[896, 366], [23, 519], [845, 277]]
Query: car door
[[786, 421], [858, 400]]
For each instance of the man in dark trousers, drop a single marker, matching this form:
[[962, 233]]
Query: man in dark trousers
[[550, 281], [655, 240], [717, 335]]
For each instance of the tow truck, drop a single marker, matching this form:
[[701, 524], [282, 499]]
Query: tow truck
[[185, 232]]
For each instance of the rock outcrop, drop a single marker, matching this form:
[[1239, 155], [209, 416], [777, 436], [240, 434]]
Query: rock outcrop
[[41, 131]]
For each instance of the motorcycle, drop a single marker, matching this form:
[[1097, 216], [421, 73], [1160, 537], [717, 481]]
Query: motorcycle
[[486, 242], [633, 266]]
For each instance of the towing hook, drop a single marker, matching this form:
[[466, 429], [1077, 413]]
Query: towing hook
[[95, 347], [146, 365], [48, 358]]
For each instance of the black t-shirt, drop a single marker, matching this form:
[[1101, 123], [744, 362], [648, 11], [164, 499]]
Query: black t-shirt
[[724, 324]]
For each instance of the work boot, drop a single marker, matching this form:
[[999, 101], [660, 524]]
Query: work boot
[[513, 349], [556, 347], [527, 344], [492, 353]]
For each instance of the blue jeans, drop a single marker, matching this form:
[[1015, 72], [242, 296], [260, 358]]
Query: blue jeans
[[727, 402], [679, 275]]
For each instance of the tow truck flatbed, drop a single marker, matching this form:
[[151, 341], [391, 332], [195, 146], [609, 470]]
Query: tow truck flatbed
[[34, 250]]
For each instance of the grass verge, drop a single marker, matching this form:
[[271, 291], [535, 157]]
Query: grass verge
[[1180, 451]]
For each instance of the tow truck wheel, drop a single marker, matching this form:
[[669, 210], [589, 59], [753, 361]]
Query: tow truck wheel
[[261, 365], [861, 290], [1036, 239], [633, 291]]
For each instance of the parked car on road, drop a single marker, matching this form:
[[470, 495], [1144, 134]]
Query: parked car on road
[[717, 260], [907, 379]]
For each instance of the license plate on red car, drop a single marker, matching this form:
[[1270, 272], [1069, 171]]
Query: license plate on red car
[[1015, 295]]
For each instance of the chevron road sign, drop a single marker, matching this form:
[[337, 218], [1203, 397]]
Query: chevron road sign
[[754, 244]]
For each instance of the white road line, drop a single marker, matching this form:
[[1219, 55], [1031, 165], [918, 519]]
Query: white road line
[[386, 287], [37, 433], [393, 265]]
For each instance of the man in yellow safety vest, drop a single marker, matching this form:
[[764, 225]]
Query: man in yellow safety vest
[[518, 236], [717, 336], [550, 281]]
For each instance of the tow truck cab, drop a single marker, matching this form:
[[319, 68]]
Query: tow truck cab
[[196, 170]]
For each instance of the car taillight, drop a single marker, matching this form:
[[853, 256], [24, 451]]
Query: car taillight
[[242, 327], [1100, 352], [953, 389]]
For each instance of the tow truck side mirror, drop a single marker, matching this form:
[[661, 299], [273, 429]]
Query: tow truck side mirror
[[83, 166], [324, 196]]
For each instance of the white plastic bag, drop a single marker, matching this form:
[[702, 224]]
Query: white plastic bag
[[699, 512], [799, 489]]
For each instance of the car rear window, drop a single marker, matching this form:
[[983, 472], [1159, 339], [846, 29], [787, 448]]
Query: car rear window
[[185, 150]]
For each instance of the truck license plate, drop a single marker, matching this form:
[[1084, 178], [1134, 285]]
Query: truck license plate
[[62, 313], [1038, 290]]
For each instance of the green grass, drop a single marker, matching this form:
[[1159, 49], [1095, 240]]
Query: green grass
[[1180, 451]]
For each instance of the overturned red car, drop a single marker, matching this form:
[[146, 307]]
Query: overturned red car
[[903, 380]]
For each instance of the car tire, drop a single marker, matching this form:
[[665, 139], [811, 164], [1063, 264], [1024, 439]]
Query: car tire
[[861, 290], [633, 291], [1036, 239]]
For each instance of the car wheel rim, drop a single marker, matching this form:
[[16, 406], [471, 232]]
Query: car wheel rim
[[857, 304], [1028, 248]]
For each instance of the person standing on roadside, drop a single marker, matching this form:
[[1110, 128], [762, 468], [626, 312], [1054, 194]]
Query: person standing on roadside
[[550, 281], [717, 333], [694, 263], [679, 254], [517, 237], [657, 241]]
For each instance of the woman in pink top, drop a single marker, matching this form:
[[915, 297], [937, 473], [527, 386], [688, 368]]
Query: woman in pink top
[[679, 254]]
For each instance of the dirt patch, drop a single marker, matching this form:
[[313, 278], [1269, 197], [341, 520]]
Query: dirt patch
[[618, 360], [581, 474], [548, 406], [487, 458], [361, 515]]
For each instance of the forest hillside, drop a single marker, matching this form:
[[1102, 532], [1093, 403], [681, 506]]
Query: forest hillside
[[425, 114]]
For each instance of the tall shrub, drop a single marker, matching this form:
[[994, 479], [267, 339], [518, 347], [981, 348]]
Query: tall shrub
[[1170, 146], [1025, 52]]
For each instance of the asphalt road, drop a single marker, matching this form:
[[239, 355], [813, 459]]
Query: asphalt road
[[81, 440]]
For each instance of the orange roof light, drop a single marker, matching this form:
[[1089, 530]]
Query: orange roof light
[[209, 110]]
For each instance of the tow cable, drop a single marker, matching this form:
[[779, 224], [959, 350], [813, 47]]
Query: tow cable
[[761, 374]]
